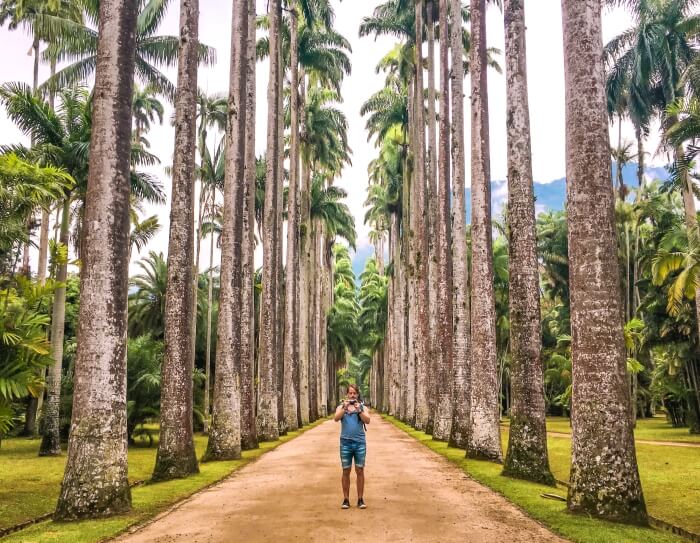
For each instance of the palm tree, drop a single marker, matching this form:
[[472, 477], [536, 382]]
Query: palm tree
[[147, 301], [249, 439], [418, 408], [37, 15], [291, 307], [485, 441], [604, 476], [443, 344], [61, 138], [97, 449], [649, 60], [176, 456], [146, 110], [527, 442], [225, 434], [460, 432], [267, 374], [78, 44], [142, 231], [212, 175]]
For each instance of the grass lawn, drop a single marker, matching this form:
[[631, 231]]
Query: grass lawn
[[653, 429], [29, 488], [670, 477]]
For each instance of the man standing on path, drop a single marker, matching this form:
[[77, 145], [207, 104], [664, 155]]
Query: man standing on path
[[353, 416]]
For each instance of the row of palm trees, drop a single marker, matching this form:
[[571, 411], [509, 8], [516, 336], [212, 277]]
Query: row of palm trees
[[260, 388], [437, 361]]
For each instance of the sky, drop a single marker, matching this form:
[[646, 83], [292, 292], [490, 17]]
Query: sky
[[545, 77]]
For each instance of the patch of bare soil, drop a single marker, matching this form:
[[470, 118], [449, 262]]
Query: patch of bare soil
[[293, 493]]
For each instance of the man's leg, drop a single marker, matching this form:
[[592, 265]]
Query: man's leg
[[346, 482], [360, 481]]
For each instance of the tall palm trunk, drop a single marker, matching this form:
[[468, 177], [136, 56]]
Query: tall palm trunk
[[304, 251], [604, 476], [422, 255], [527, 445], [207, 360], [267, 384], [279, 248], [313, 323], [431, 156], [291, 321], [225, 434], [176, 456], [461, 341], [485, 440], [249, 436], [640, 154], [325, 298], [50, 438], [95, 481], [443, 343]]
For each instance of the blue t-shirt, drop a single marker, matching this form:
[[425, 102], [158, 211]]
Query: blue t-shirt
[[352, 428]]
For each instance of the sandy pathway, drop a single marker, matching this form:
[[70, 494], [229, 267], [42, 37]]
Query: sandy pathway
[[293, 494]]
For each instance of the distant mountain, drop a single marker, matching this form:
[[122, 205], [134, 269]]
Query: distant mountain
[[548, 197], [551, 196]]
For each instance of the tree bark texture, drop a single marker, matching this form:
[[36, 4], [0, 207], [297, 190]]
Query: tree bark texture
[[443, 343], [460, 313], [304, 251], [176, 456], [527, 444], [291, 312], [249, 436], [95, 481], [279, 265], [268, 428], [225, 434], [485, 439], [604, 476], [431, 223], [422, 254], [50, 424]]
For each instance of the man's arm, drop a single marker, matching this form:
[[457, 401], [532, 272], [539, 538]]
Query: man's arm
[[364, 414], [339, 412]]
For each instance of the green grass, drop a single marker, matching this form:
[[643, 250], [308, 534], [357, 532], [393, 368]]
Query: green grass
[[653, 429], [29, 487], [670, 476]]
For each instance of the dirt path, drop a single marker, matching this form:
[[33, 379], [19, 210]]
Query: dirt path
[[642, 441], [293, 494]]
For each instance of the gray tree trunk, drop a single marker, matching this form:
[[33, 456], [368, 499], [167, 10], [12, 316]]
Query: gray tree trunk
[[460, 306], [422, 256], [485, 439], [176, 456], [95, 481], [225, 434], [279, 249], [249, 436], [291, 321], [527, 445], [304, 250], [604, 475], [268, 428], [431, 222], [313, 324], [207, 360], [50, 424], [443, 343]]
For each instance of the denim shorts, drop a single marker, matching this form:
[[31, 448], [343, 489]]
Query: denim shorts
[[350, 450]]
